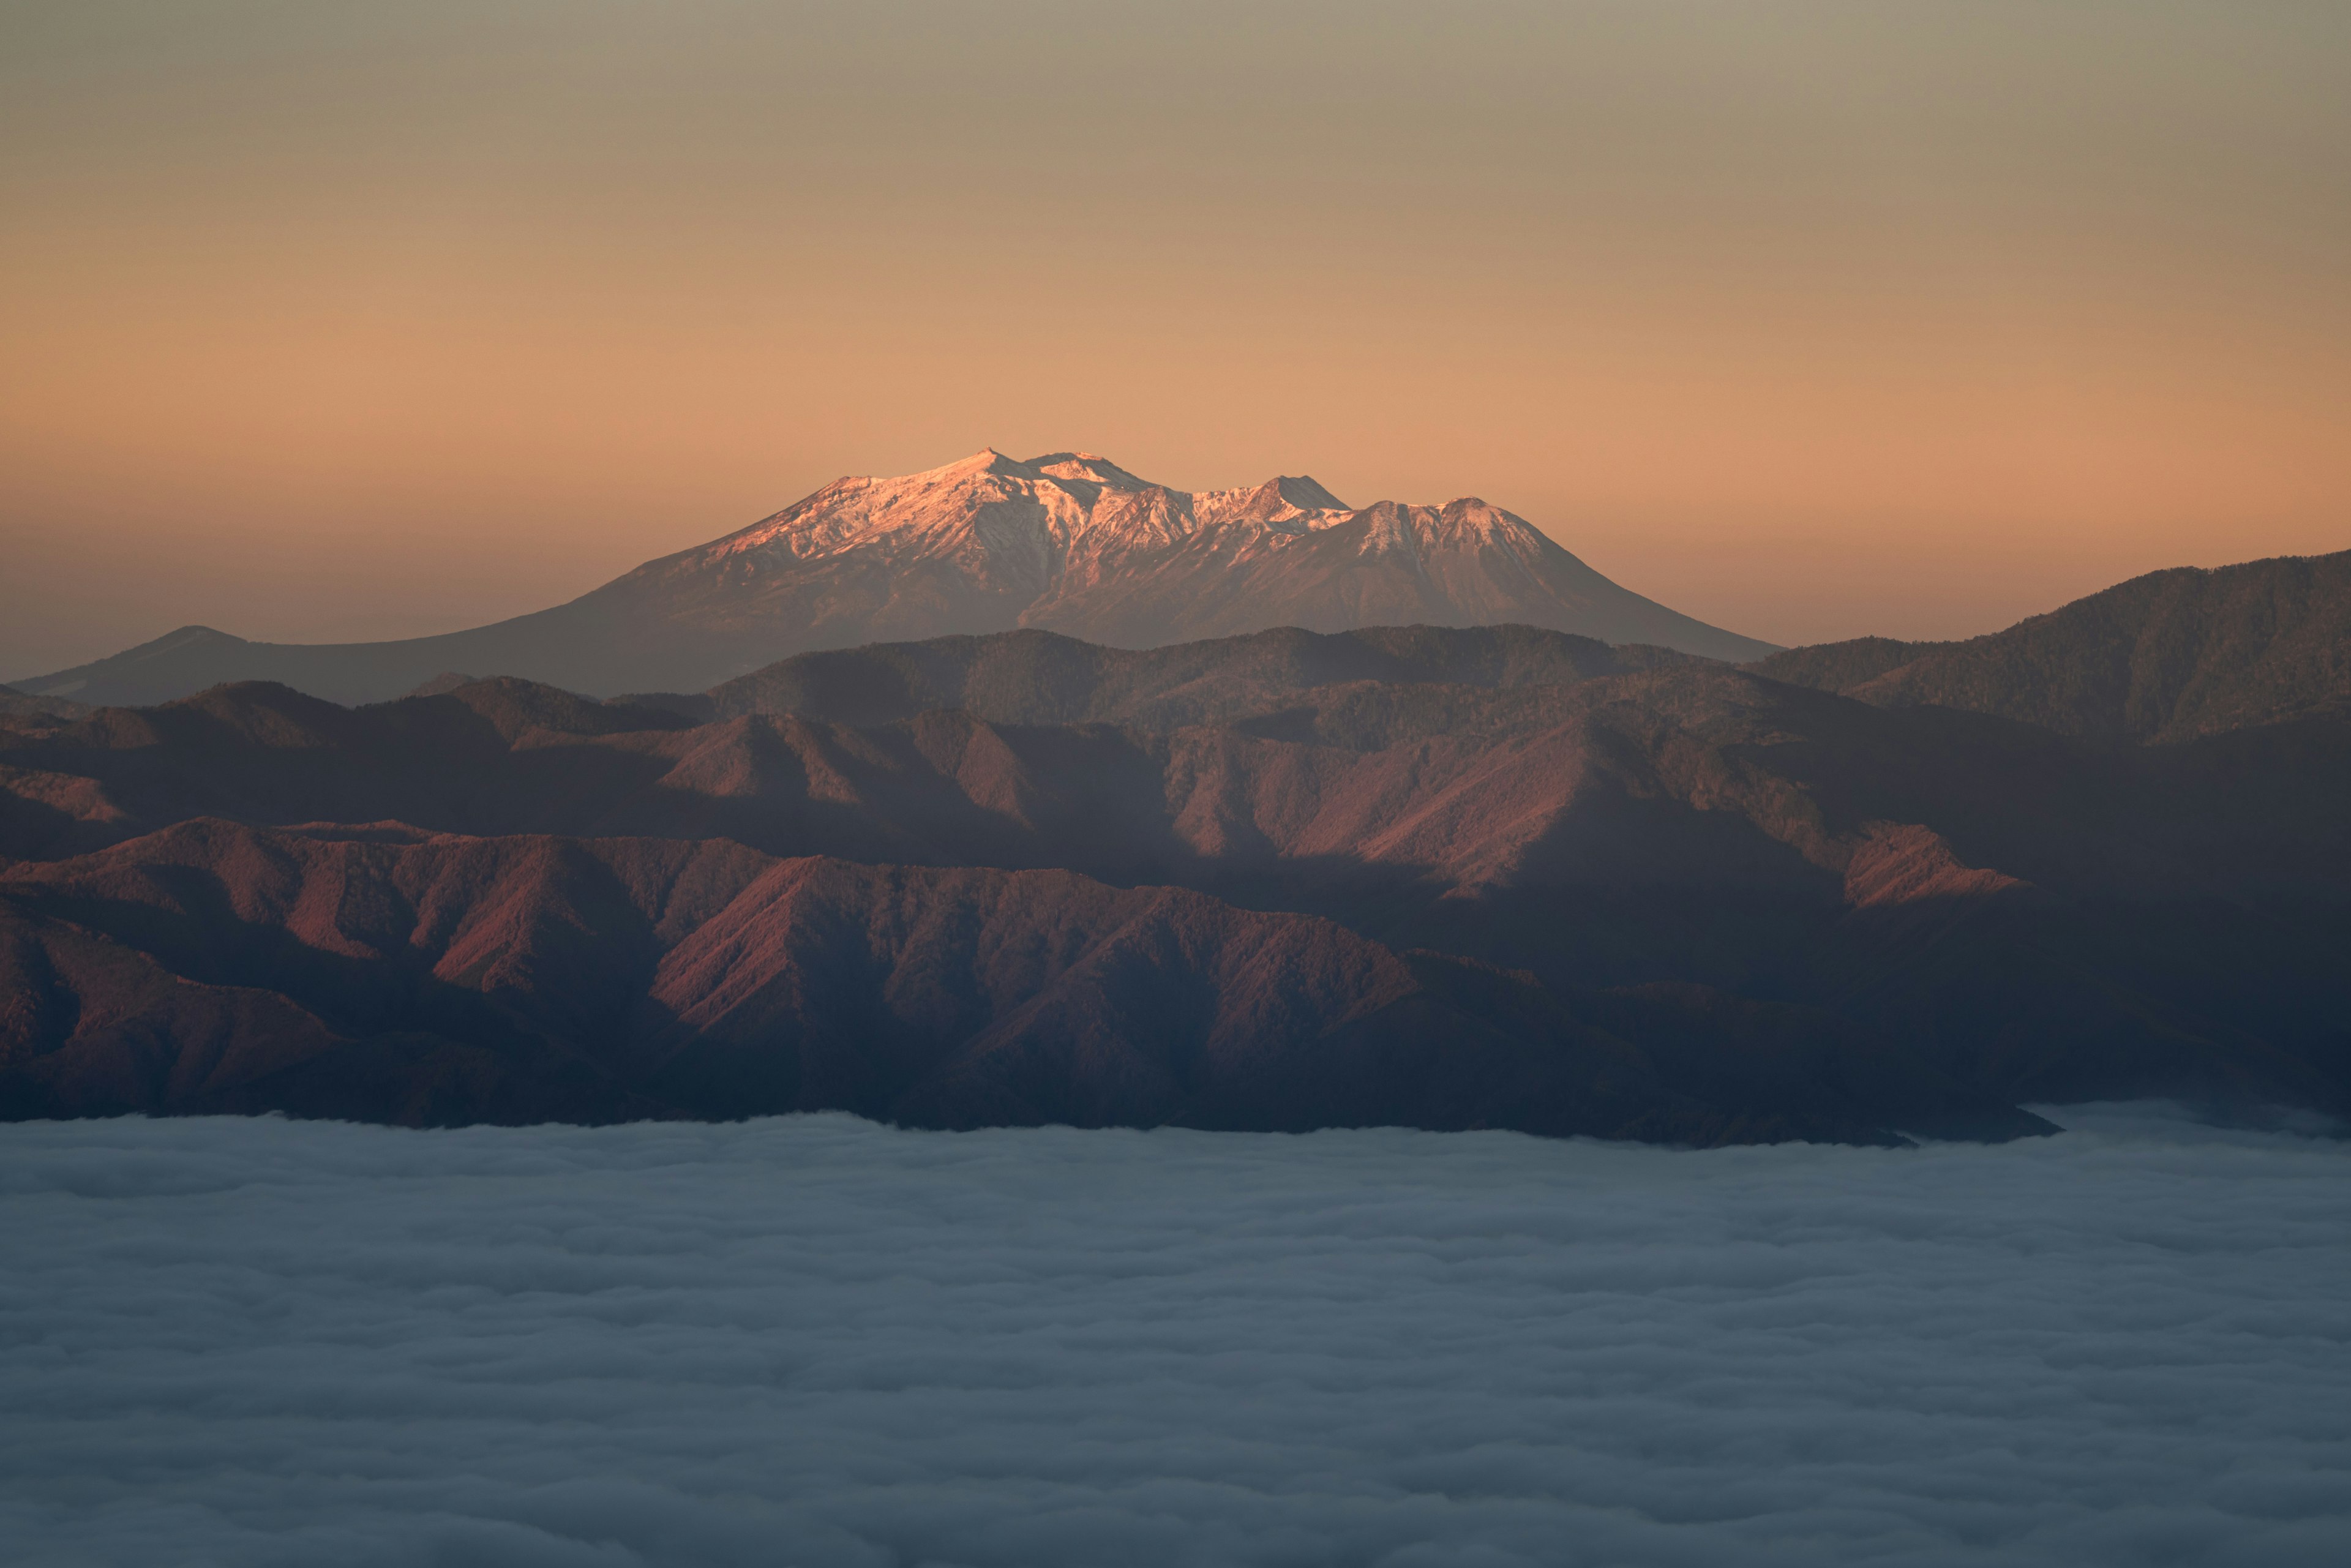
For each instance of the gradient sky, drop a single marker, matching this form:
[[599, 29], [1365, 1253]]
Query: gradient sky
[[327, 321]]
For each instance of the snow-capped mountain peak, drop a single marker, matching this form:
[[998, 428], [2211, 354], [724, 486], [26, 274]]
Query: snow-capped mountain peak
[[1075, 542]]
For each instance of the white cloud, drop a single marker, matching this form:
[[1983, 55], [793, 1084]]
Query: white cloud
[[816, 1341]]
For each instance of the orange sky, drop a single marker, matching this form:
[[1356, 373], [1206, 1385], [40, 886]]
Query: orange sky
[[327, 321]]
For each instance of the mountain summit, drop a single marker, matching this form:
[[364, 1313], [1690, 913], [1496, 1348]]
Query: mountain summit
[[1069, 542], [1073, 543]]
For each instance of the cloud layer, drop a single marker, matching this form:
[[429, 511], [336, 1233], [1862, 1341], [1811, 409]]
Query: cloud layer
[[816, 1341]]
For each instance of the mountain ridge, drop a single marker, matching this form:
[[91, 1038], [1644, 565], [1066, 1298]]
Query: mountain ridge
[[436, 979], [2007, 908], [1034, 676], [1066, 542], [2162, 658], [1537, 880]]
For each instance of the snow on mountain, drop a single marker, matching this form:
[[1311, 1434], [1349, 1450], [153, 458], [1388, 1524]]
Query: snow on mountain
[[1069, 542], [1074, 543]]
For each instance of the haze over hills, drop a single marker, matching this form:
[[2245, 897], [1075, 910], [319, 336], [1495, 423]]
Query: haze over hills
[[1066, 542], [1640, 892]]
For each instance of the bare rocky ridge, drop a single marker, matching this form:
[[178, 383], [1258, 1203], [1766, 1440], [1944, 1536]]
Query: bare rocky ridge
[[1066, 542]]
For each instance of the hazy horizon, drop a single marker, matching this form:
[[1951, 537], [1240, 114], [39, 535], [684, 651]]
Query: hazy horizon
[[1809, 320]]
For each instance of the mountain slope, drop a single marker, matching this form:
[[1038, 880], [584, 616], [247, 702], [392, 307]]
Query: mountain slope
[[1694, 773], [2164, 657], [1064, 542], [18, 710], [392, 976], [2029, 916], [1042, 677]]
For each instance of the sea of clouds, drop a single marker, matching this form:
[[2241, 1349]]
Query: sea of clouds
[[815, 1341]]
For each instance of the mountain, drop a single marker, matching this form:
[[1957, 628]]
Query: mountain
[[1695, 775], [390, 975], [1447, 876], [1066, 542], [18, 709], [1042, 677], [2165, 657], [1782, 890]]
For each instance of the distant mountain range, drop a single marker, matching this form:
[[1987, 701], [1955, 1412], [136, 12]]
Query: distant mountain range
[[1066, 542], [1452, 877], [2167, 656]]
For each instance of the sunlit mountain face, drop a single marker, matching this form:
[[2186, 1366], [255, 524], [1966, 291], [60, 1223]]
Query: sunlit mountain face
[[1442, 877], [1611, 828], [1065, 542]]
